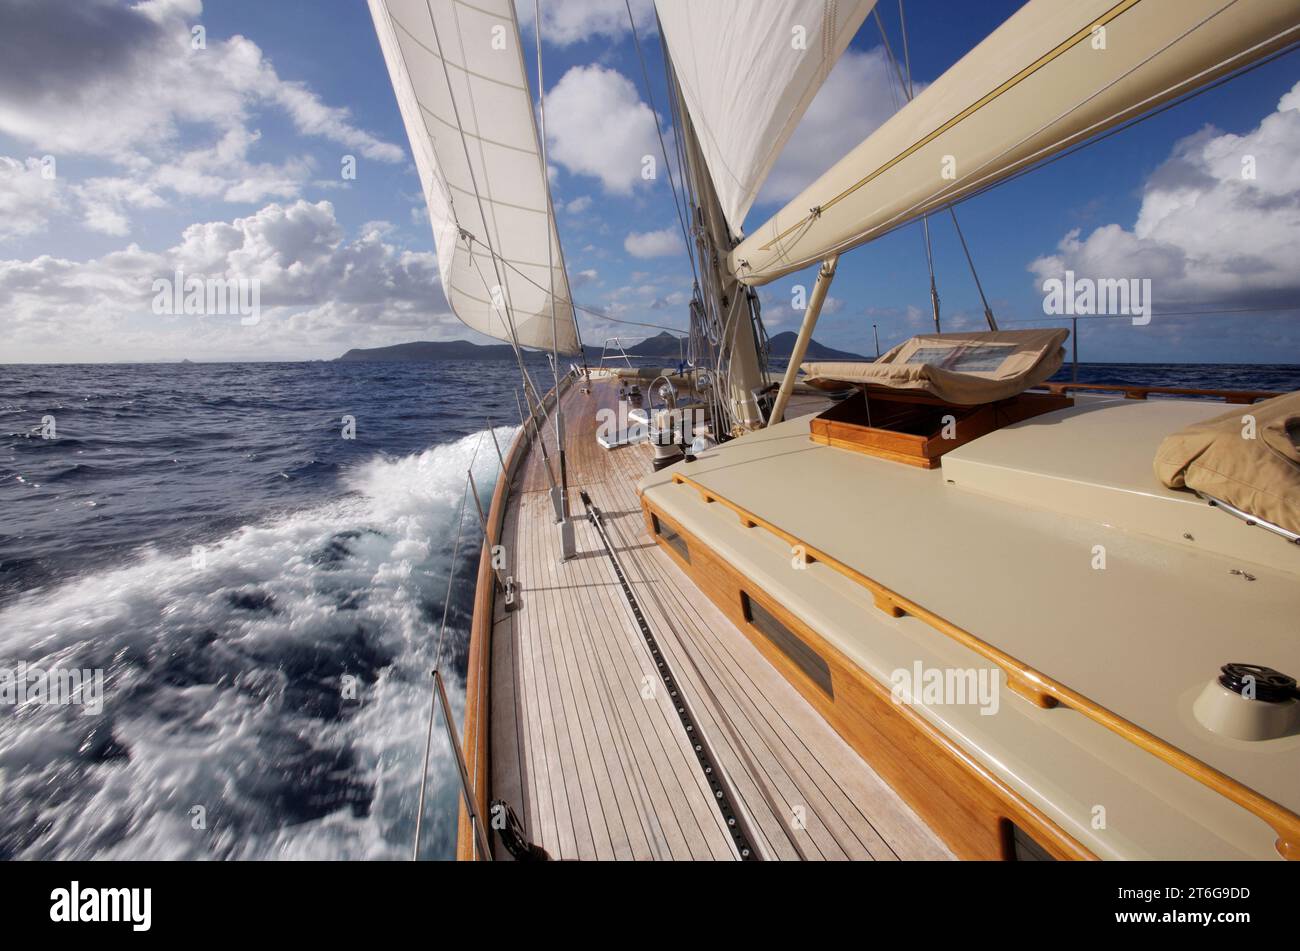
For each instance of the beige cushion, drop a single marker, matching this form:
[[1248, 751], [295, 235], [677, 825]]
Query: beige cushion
[[1260, 476], [961, 368]]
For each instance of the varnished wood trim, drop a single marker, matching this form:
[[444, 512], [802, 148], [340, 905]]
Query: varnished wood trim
[[1140, 392], [478, 675], [960, 799], [1042, 690]]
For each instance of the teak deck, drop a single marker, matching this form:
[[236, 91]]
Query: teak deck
[[593, 757]]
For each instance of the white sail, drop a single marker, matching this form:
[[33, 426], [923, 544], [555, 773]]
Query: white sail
[[748, 70], [459, 75], [1056, 73]]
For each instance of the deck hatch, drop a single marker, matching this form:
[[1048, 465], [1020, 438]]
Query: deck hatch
[[803, 656], [678, 544]]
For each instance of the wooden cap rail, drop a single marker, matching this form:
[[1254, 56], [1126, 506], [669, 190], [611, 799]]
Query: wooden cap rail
[[1141, 392], [1035, 686], [478, 673]]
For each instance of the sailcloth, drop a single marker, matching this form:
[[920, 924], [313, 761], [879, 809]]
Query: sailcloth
[[1054, 74], [748, 70], [459, 75]]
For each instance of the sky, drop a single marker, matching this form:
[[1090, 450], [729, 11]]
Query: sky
[[274, 149]]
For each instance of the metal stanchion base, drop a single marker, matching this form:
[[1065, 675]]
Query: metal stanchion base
[[568, 547]]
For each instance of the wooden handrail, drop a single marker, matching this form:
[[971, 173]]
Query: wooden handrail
[[1141, 392], [1035, 686]]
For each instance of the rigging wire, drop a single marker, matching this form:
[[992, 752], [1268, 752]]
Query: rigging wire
[[437, 654], [663, 148], [910, 90], [1033, 164], [553, 229], [707, 334], [925, 219]]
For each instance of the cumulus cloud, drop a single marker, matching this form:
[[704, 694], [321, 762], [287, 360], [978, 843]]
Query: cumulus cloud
[[28, 196], [319, 288], [578, 205], [575, 21], [653, 244], [597, 125], [123, 83], [1207, 234], [856, 99]]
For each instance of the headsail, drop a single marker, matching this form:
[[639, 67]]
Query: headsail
[[459, 75], [748, 70], [1055, 74]]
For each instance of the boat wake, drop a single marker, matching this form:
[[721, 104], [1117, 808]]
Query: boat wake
[[265, 696]]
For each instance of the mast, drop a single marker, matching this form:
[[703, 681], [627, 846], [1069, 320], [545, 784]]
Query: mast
[[732, 302], [743, 73]]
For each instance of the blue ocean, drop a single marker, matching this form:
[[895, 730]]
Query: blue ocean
[[210, 538]]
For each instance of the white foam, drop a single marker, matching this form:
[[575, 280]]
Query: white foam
[[203, 694]]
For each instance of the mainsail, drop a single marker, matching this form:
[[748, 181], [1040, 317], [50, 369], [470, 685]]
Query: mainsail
[[459, 75], [1056, 73], [748, 70]]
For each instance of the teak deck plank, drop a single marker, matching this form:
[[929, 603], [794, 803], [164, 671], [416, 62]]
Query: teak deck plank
[[596, 769]]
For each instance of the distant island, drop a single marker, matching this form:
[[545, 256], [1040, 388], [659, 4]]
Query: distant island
[[663, 345]]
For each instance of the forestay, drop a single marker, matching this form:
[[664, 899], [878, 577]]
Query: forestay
[[459, 75], [1054, 74], [748, 70]]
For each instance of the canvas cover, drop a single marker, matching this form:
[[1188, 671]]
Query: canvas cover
[[965, 369], [1248, 457], [1037, 85]]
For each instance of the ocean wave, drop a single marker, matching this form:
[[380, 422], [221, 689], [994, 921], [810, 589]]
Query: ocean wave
[[225, 730]]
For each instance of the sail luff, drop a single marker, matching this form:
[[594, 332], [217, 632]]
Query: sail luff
[[468, 112], [748, 70], [1055, 74]]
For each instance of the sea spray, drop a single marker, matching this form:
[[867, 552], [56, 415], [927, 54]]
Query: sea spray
[[225, 731]]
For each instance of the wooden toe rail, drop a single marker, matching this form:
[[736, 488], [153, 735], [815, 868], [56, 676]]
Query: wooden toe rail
[[1141, 392]]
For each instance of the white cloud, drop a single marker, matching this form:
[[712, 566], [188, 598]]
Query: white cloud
[[320, 292], [574, 21], [121, 83], [856, 99], [597, 125], [653, 244], [578, 205], [28, 197], [583, 278], [1206, 235]]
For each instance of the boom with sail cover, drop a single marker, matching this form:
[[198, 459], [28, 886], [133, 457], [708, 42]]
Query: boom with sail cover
[[748, 70], [1055, 74], [459, 75]]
